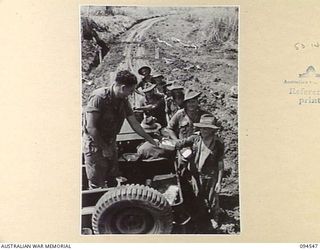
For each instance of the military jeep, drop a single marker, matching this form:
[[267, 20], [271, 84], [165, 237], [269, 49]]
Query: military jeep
[[149, 202]]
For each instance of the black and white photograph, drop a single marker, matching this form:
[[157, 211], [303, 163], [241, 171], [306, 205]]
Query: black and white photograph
[[159, 120]]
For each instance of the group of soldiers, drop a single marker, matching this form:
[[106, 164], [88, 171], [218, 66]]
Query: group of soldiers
[[178, 116]]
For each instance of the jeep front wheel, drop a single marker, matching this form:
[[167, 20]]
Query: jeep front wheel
[[132, 209]]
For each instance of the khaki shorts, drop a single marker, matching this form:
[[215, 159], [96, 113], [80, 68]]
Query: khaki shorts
[[100, 167]]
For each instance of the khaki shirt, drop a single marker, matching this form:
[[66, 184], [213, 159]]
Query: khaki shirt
[[182, 124], [204, 159], [113, 112], [171, 107], [159, 111]]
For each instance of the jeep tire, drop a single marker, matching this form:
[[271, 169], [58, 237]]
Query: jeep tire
[[132, 209]]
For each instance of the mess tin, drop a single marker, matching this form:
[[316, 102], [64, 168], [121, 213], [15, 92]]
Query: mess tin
[[167, 144]]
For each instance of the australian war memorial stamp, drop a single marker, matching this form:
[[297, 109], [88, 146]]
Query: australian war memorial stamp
[[305, 88]]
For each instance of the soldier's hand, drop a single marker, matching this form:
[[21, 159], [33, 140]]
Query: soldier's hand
[[156, 143]]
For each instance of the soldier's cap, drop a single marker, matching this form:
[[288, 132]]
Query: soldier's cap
[[167, 84], [206, 121], [175, 87], [147, 68], [148, 87], [158, 77], [191, 94]]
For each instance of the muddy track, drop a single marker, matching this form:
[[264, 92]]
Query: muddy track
[[134, 49]]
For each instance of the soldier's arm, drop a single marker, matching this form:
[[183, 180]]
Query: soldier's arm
[[172, 134], [172, 124], [187, 142], [220, 174], [140, 84], [220, 167], [167, 117], [135, 125], [92, 129], [160, 102], [167, 110], [145, 107]]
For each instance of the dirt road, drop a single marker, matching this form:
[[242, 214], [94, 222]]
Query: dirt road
[[134, 50], [128, 52]]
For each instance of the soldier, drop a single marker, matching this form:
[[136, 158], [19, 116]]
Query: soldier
[[153, 104], [181, 124], [144, 71], [160, 83], [206, 164], [175, 101], [105, 112]]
